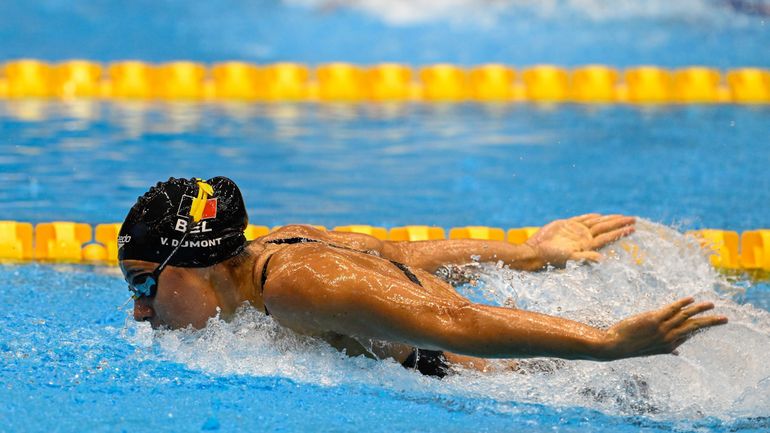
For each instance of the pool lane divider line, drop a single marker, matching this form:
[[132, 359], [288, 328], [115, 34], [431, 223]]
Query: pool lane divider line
[[346, 82], [71, 242]]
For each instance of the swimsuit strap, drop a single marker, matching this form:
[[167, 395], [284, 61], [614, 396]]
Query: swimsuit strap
[[295, 240], [408, 272], [262, 279]]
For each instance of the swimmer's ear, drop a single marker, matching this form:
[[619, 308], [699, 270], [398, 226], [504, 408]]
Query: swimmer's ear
[[591, 256]]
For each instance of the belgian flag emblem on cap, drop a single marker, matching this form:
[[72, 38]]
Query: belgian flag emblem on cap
[[209, 211]]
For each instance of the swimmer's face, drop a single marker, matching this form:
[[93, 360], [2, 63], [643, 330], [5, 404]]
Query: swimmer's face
[[184, 296]]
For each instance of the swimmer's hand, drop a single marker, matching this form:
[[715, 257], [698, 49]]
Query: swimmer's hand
[[659, 331], [579, 237]]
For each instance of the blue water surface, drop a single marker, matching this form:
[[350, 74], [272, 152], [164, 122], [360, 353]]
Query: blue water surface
[[505, 166], [720, 33]]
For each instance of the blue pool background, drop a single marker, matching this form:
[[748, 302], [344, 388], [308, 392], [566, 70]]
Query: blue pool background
[[505, 166], [717, 33], [71, 362]]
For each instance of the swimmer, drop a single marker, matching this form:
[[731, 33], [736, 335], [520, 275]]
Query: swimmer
[[183, 252]]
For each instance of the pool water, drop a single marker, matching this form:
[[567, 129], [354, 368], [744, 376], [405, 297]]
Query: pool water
[[67, 345], [453, 165], [73, 360], [622, 33]]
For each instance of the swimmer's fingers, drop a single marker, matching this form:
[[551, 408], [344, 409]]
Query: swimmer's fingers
[[611, 236], [583, 218], [598, 219], [611, 223], [591, 256], [652, 333], [686, 313], [692, 325], [673, 308]]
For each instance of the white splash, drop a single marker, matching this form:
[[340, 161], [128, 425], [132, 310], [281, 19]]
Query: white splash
[[406, 12], [720, 373]]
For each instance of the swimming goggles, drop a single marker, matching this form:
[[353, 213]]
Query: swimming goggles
[[146, 284]]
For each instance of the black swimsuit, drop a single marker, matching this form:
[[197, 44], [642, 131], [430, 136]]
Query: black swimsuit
[[427, 362]]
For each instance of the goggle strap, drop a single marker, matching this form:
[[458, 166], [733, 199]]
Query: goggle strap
[[160, 268]]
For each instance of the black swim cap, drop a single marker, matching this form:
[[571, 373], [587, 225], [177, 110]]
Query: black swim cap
[[159, 219]]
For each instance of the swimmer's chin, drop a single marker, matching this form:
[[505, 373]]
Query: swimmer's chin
[[158, 325], [198, 324]]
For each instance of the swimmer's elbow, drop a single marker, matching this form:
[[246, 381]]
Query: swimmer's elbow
[[457, 327]]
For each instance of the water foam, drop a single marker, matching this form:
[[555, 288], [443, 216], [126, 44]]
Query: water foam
[[407, 12], [721, 373]]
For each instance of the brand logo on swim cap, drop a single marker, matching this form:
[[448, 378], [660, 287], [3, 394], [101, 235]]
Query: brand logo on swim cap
[[122, 240], [209, 211]]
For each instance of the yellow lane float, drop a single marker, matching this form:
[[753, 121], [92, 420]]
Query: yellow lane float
[[63, 241], [334, 82], [129, 79], [444, 83]]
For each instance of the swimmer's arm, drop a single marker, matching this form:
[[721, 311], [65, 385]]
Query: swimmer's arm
[[431, 255], [575, 238], [324, 293]]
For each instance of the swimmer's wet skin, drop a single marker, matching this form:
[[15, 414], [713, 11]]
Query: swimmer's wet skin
[[183, 252]]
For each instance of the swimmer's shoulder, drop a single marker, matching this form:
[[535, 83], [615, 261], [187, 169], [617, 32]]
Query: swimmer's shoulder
[[356, 241], [293, 231]]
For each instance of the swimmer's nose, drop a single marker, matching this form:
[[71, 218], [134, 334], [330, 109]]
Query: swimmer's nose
[[142, 310]]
